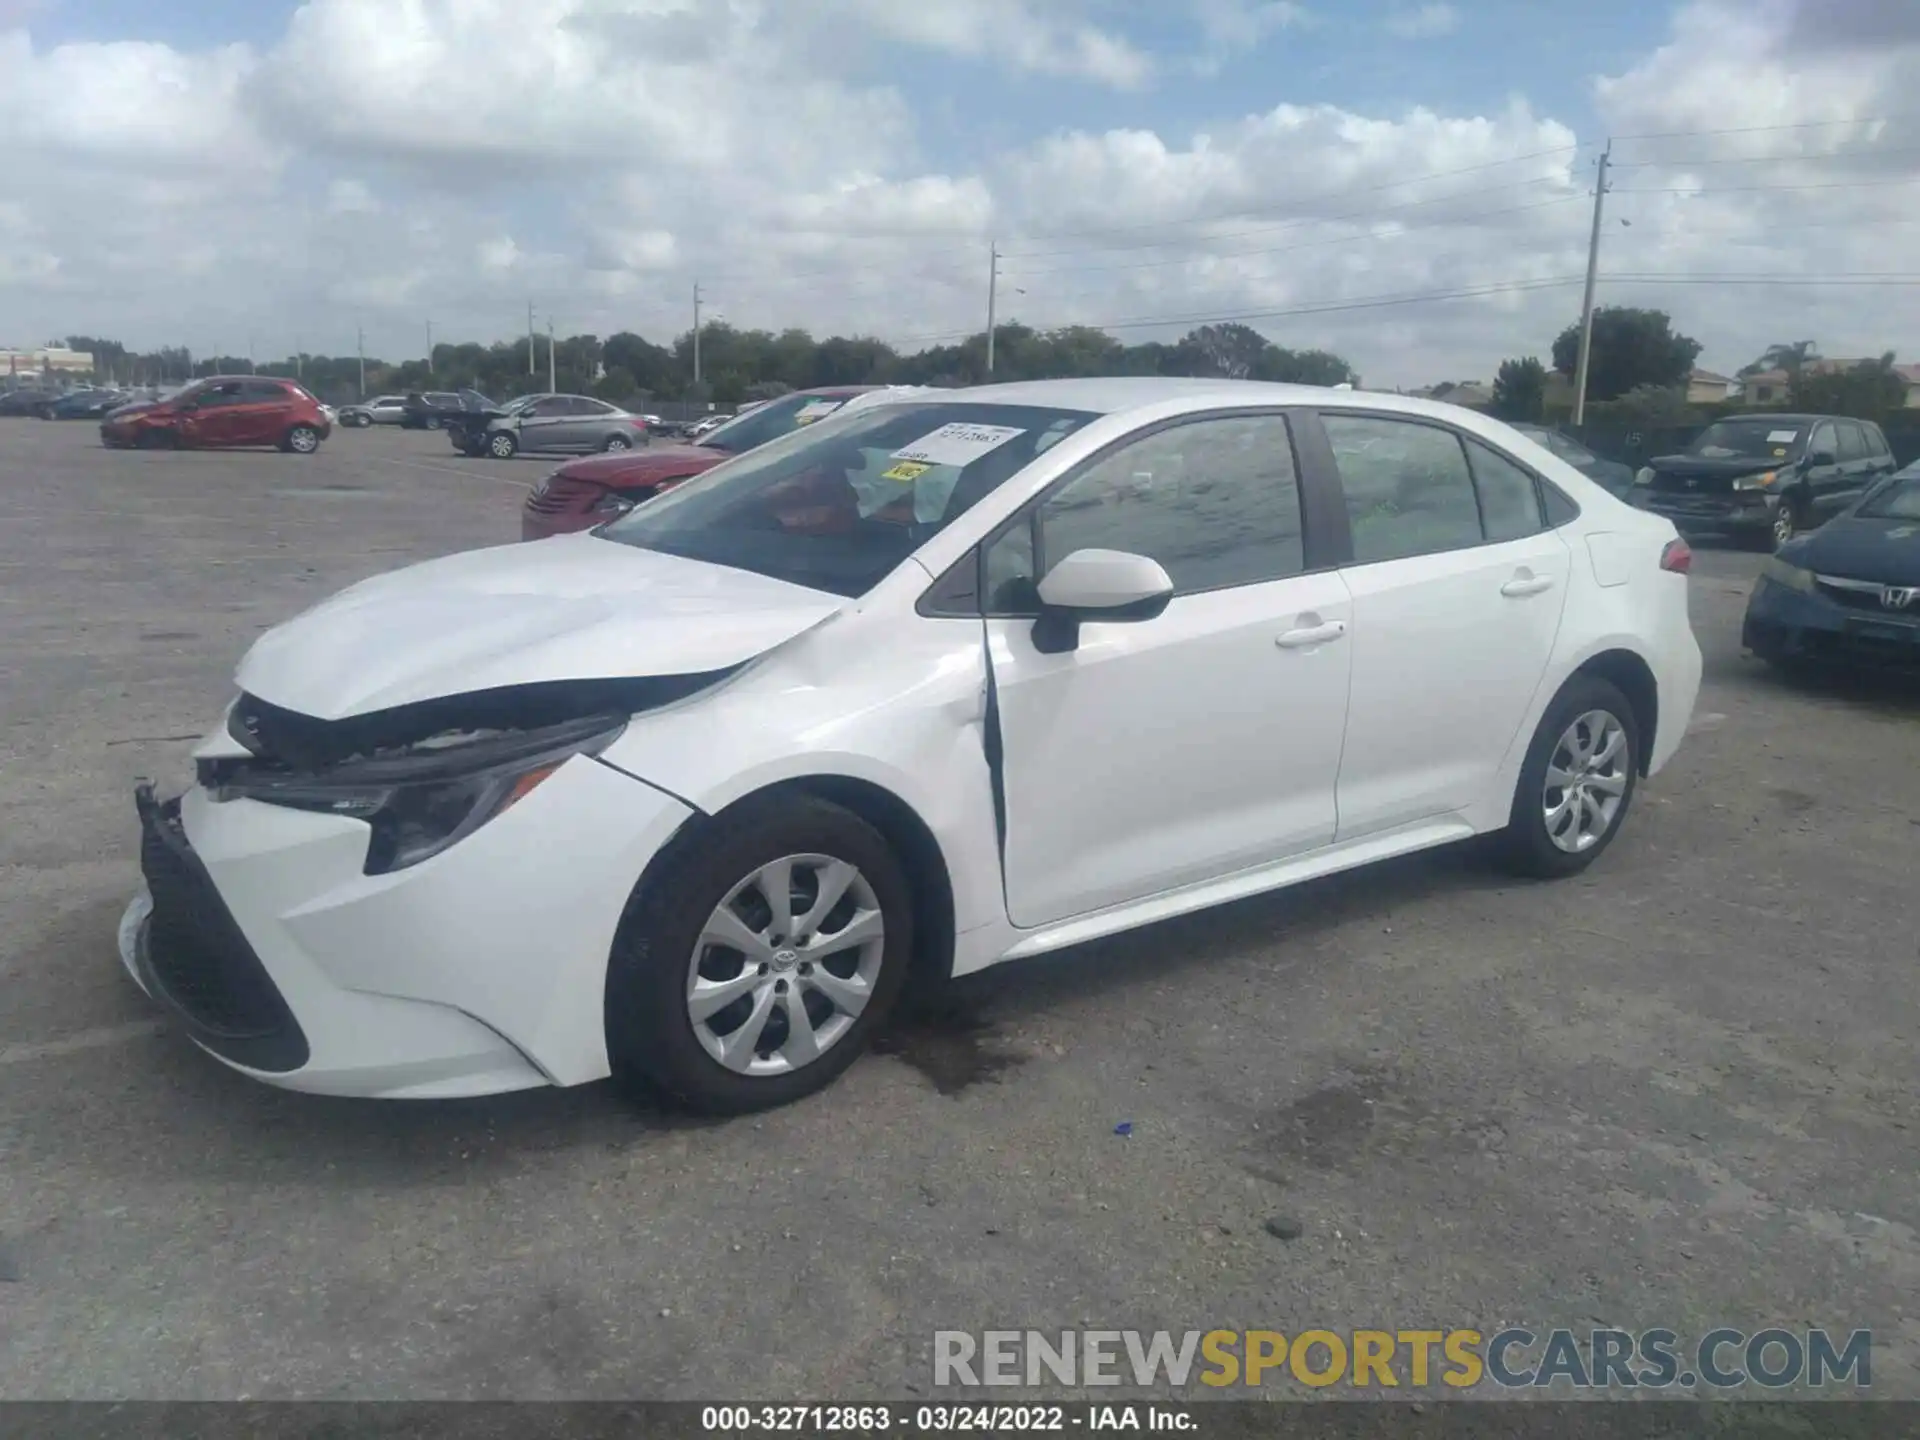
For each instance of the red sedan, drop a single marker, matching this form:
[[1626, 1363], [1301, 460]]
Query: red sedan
[[589, 492], [225, 412]]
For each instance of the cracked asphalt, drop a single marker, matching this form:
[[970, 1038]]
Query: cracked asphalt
[[1679, 1091]]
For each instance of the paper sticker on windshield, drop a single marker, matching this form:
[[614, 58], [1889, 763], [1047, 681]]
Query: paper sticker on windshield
[[816, 410], [1782, 437], [958, 445], [906, 470]]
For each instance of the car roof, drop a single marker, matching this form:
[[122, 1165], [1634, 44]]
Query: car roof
[[1799, 418], [1117, 394]]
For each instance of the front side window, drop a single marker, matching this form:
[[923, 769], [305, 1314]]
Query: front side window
[[1407, 487], [1216, 502], [1853, 441], [839, 505]]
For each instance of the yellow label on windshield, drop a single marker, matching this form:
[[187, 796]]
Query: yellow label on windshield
[[906, 470]]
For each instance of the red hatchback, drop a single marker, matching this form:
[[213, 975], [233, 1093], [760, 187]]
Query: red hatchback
[[590, 492], [223, 413]]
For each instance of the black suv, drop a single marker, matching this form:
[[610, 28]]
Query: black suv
[[1765, 477], [429, 411]]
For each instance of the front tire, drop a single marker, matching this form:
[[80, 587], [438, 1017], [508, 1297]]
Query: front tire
[[1577, 782], [503, 445], [433, 422], [756, 965]]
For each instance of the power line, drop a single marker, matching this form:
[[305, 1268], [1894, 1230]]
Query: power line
[[1856, 152], [1767, 129], [1749, 189], [1347, 239]]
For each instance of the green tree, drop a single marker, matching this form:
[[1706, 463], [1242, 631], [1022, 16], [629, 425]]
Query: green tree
[[1302, 367], [1225, 352], [1791, 356], [1870, 390], [1631, 348], [1520, 390]]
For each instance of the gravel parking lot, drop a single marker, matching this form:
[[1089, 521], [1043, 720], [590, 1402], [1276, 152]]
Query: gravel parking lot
[[1679, 1091]]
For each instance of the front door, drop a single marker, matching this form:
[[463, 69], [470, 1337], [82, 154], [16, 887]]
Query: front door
[[544, 423], [1174, 750], [1458, 588], [215, 415]]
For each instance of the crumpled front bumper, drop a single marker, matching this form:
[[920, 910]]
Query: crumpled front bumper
[[480, 970]]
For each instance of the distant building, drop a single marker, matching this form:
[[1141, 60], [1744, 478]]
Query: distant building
[[1704, 387], [1775, 387], [46, 359]]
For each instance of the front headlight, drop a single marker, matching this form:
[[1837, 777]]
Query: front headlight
[[1787, 574], [1643, 476], [430, 796], [1764, 481]]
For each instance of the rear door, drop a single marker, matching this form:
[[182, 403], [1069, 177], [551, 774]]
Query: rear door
[[587, 424], [1856, 471], [1458, 588], [263, 414]]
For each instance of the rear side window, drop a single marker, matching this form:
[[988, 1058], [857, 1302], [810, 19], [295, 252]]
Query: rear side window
[[262, 391], [1509, 500], [1407, 487]]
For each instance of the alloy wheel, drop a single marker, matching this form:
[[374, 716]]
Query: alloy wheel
[[303, 441], [618, 442], [502, 447], [1586, 781], [1783, 526], [785, 964]]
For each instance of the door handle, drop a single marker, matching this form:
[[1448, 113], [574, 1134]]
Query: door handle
[[1311, 635], [1520, 587]]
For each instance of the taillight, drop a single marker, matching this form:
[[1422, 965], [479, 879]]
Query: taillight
[[1677, 557]]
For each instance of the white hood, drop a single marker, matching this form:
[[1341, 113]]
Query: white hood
[[572, 608]]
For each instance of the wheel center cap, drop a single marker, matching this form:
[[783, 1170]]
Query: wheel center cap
[[784, 960]]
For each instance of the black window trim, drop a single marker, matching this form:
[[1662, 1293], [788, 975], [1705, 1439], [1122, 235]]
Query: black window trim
[[950, 597]]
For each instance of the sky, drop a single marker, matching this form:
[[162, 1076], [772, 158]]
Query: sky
[[1406, 182]]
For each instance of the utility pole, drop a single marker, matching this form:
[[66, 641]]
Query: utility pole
[[1586, 305], [429, 352], [251, 368], [696, 332], [553, 368], [360, 345], [993, 294], [530, 337]]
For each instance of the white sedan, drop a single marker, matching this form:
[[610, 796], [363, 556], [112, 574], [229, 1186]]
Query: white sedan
[[932, 684]]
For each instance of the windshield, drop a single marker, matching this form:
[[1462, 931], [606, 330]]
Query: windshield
[[754, 428], [1757, 439], [1898, 499], [838, 507]]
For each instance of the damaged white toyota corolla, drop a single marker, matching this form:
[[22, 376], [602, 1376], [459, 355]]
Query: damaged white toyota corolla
[[923, 687]]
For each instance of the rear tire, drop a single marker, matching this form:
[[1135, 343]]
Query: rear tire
[[617, 442], [433, 422], [300, 440], [503, 444], [1569, 805], [663, 949]]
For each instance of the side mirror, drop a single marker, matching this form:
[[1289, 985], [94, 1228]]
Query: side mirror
[[1098, 585], [1823, 457]]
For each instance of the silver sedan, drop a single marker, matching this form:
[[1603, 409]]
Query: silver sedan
[[561, 424]]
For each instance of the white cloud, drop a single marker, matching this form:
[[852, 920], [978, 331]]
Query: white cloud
[[390, 162], [1424, 22]]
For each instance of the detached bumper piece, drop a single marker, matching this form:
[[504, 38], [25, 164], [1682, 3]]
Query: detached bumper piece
[[192, 955]]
